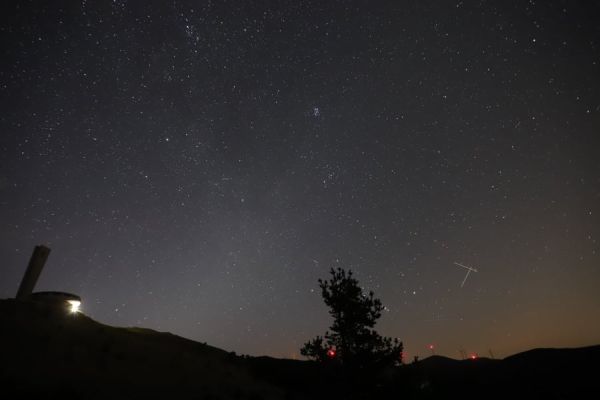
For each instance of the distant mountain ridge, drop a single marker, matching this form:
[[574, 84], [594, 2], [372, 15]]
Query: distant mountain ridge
[[538, 373], [49, 353]]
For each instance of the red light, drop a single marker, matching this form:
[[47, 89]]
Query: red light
[[331, 353], [430, 347], [473, 356]]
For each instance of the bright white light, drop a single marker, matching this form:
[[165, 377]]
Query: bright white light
[[75, 304]]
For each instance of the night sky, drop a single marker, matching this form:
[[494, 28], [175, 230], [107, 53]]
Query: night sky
[[195, 167]]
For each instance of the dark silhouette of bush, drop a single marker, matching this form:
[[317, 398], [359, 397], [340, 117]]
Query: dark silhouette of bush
[[352, 340]]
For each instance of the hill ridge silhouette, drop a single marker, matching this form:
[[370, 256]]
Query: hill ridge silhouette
[[55, 354]]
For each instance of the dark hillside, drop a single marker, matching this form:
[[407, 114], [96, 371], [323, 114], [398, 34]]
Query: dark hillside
[[47, 351], [538, 373]]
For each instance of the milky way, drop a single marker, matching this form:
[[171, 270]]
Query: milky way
[[197, 166]]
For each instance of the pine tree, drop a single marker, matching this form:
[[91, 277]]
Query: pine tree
[[352, 339]]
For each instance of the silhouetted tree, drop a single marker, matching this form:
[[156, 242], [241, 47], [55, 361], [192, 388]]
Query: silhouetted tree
[[315, 349], [352, 339]]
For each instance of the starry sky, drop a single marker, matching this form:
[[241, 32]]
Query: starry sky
[[196, 166]]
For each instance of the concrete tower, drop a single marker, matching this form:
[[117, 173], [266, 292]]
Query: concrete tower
[[36, 264]]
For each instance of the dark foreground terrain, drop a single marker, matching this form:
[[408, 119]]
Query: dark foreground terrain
[[49, 353]]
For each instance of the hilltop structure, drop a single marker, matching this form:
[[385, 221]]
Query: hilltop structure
[[69, 301]]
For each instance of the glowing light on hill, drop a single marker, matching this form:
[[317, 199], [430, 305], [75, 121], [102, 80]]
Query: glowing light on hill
[[75, 306]]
